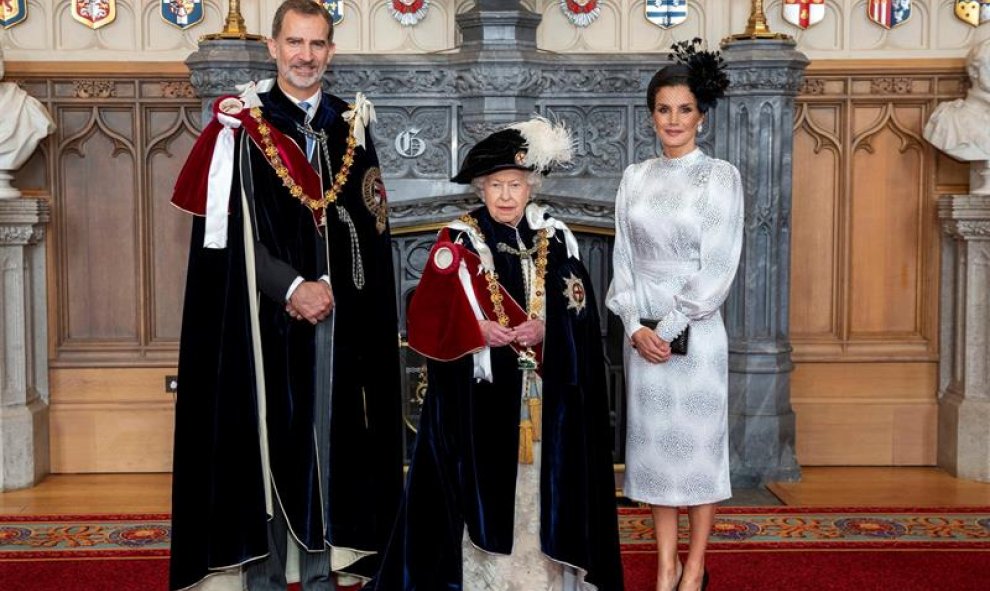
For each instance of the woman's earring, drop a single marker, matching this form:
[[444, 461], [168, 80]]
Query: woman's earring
[[700, 128]]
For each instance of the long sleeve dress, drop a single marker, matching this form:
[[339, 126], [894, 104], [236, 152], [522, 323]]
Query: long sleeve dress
[[678, 238]]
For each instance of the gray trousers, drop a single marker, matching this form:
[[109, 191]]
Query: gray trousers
[[268, 574]]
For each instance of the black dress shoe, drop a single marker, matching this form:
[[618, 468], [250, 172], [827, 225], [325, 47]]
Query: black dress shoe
[[704, 580]]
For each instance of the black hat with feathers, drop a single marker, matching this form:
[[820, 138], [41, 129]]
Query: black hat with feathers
[[704, 71]]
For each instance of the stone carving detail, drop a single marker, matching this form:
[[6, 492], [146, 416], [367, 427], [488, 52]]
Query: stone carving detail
[[763, 218], [429, 125], [813, 87], [178, 90], [750, 79], [345, 81], [891, 86], [572, 211], [646, 145], [93, 89], [517, 80], [431, 209], [598, 81], [967, 229], [219, 82], [599, 135], [21, 235]]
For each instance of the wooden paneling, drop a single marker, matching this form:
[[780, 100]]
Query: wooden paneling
[[116, 256], [864, 307], [111, 420]]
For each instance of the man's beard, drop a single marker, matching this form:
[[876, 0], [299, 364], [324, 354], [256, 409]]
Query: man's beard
[[302, 81]]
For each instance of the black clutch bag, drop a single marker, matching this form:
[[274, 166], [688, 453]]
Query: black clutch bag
[[678, 346]]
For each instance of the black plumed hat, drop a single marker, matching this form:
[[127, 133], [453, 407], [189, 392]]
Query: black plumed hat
[[536, 144]]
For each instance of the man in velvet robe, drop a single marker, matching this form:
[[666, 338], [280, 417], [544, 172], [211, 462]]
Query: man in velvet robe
[[472, 445], [288, 416]]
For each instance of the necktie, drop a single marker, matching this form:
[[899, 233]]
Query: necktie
[[310, 144]]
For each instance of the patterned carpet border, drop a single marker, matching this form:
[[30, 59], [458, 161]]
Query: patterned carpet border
[[48, 537], [27, 537], [826, 528]]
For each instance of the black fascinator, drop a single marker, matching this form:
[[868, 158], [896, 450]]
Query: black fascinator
[[705, 71]]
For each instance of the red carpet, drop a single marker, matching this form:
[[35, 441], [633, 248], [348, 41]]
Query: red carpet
[[88, 574], [828, 570], [767, 548]]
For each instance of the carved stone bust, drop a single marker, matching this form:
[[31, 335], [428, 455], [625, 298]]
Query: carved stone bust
[[961, 128], [24, 123]]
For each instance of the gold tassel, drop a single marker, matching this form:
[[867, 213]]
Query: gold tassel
[[526, 441], [536, 416]]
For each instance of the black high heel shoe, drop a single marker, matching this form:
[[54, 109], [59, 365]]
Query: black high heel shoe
[[704, 580]]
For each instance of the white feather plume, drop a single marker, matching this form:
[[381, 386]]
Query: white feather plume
[[547, 144]]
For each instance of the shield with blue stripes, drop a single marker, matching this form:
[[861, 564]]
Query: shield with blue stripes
[[666, 13], [889, 13], [12, 12]]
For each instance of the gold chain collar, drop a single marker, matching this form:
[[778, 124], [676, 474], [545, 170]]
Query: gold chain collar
[[271, 153], [536, 301]]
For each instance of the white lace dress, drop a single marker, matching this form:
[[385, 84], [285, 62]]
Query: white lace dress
[[678, 238]]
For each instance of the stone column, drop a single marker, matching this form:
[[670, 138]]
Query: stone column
[[498, 77], [23, 344], [753, 130], [219, 65], [964, 366]]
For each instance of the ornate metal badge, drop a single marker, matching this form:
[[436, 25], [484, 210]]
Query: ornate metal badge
[[574, 292], [375, 198]]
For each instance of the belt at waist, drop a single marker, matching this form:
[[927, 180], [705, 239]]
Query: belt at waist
[[668, 267]]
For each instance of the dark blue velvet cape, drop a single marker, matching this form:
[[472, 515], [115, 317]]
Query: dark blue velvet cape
[[219, 518], [463, 471]]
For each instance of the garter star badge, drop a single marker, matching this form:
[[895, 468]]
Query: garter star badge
[[182, 13], [666, 13], [375, 198], [581, 13], [575, 294], [94, 13], [409, 12], [889, 13], [12, 12], [973, 12], [804, 13], [336, 10]]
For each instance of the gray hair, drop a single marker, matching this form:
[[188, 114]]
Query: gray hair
[[534, 179]]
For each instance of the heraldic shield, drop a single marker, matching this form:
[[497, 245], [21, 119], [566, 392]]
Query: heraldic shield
[[182, 13], [666, 13], [12, 12], [889, 13], [973, 12], [336, 10], [804, 13], [94, 13]]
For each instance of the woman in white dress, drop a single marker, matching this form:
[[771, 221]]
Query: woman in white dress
[[678, 237]]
